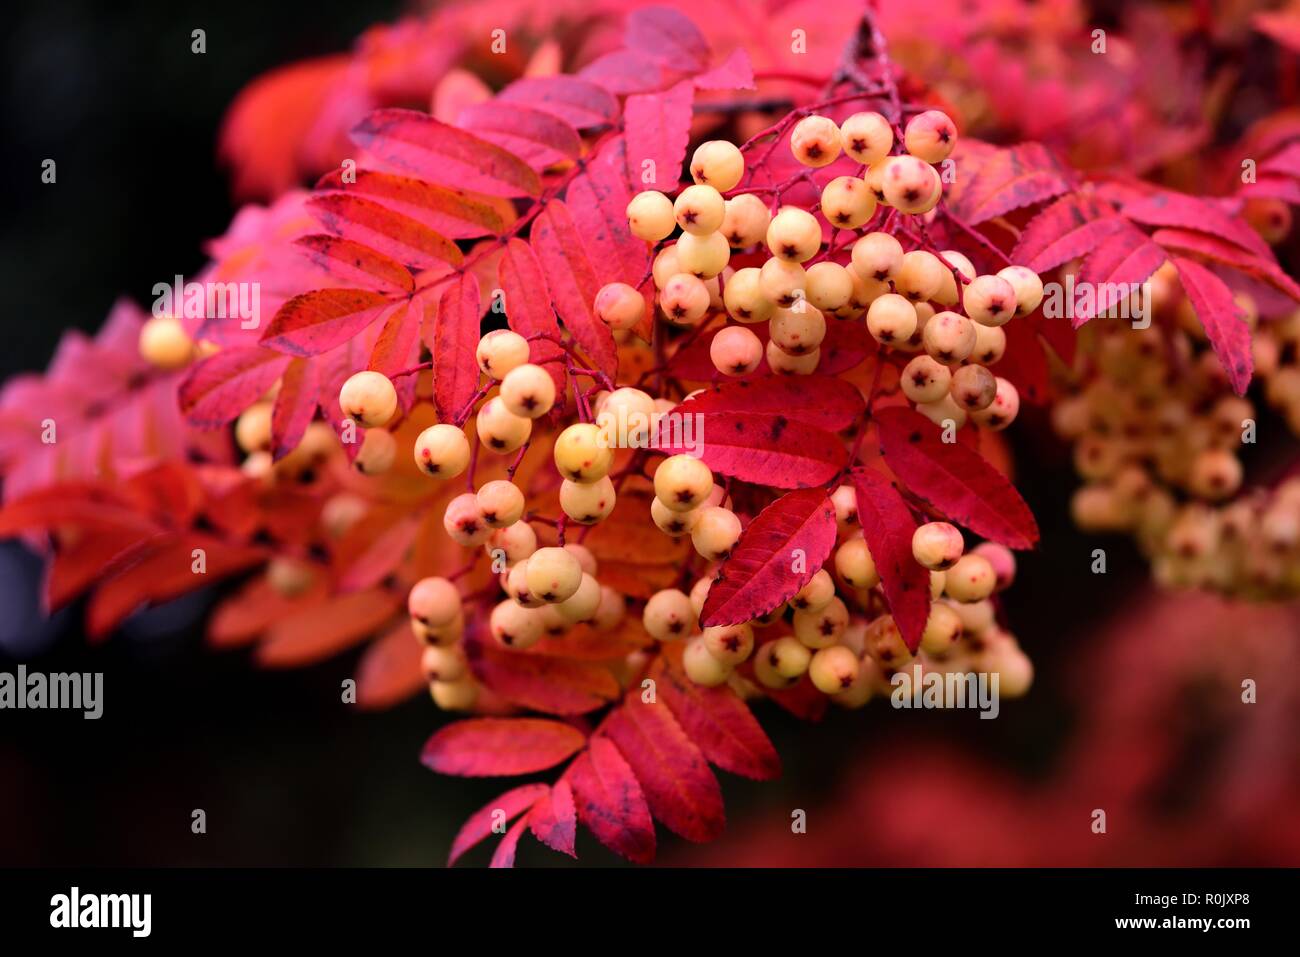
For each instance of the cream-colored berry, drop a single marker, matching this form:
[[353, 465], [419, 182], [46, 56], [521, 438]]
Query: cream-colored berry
[[682, 482], [745, 221], [444, 664], [165, 343], [930, 136], [730, 644], [590, 503], [971, 579], [847, 202], [794, 235], [816, 594], [611, 610], [701, 667], [500, 351], [702, 256], [684, 299], [943, 629], [891, 319], [583, 454], [919, 275], [833, 669], [459, 695], [516, 586], [876, 256], [253, 428], [788, 656], [718, 163], [989, 300], [948, 293], [665, 266], [1002, 411], [650, 216], [885, 643], [824, 627], [377, 453], [783, 363], [781, 282], [744, 299], [815, 141], [828, 286], [925, 379], [1026, 285], [715, 532], [442, 451], [867, 137], [368, 398], [670, 522], [434, 602], [501, 501], [668, 615], [944, 413], [990, 344], [854, 564], [937, 545], [798, 330], [463, 521], [499, 429], [515, 626], [619, 306], [699, 210], [528, 391], [553, 574], [845, 500], [582, 605]]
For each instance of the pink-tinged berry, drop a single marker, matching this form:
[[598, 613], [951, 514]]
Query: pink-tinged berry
[[876, 256], [815, 141], [867, 137], [937, 545], [730, 644], [989, 300], [377, 453], [910, 185], [973, 387], [619, 306], [501, 502], [515, 626], [930, 136], [971, 579], [464, 522], [736, 351], [1002, 411]]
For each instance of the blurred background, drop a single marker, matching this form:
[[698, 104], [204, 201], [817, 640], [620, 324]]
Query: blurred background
[[1136, 706]]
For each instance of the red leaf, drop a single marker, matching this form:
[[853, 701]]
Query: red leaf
[[398, 344], [845, 347], [626, 71], [539, 138], [295, 406], [455, 337], [733, 73], [551, 685], [356, 264], [996, 180], [323, 319], [767, 449], [719, 723], [778, 553], [598, 199], [395, 235], [1216, 249], [679, 788], [441, 153], [955, 480], [577, 102], [1221, 318], [554, 820], [528, 306], [887, 525], [217, 389], [1068, 228], [389, 672], [610, 803], [573, 284], [450, 212], [321, 631], [504, 855], [491, 747], [1113, 270], [658, 126], [481, 823], [1167, 208], [669, 37], [821, 401]]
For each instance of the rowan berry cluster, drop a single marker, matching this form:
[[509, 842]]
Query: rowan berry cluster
[[1157, 437], [918, 300]]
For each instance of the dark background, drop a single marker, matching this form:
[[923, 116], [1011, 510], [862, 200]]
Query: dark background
[[285, 772]]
